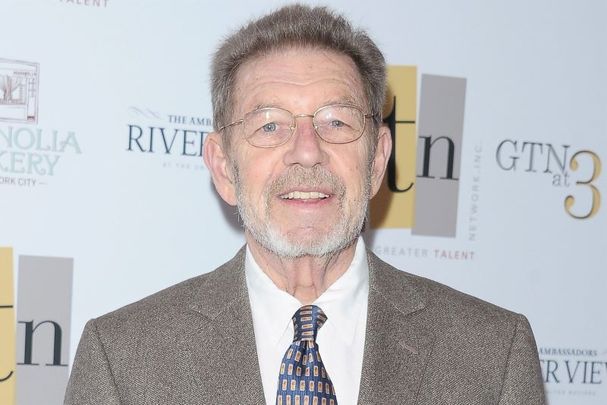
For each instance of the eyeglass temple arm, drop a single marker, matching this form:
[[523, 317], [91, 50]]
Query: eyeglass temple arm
[[240, 121]]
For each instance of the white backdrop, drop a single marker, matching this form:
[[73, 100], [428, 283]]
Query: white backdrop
[[136, 221]]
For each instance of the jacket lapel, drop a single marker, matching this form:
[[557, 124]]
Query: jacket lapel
[[222, 347], [223, 356], [397, 346]]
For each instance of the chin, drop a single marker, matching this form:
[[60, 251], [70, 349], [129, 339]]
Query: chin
[[290, 247]]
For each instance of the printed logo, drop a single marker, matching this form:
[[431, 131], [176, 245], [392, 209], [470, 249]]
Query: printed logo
[[87, 3], [7, 328], [422, 182], [577, 172], [40, 338], [573, 372], [18, 91], [29, 154], [178, 139]]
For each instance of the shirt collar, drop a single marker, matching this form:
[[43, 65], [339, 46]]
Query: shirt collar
[[273, 308]]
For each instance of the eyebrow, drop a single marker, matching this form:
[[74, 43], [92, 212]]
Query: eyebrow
[[349, 100], [265, 105]]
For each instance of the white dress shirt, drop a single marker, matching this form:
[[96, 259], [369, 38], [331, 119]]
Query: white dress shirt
[[340, 340]]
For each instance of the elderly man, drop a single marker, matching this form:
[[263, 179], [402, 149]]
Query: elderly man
[[304, 314]]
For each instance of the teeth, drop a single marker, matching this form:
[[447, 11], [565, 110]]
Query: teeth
[[304, 195]]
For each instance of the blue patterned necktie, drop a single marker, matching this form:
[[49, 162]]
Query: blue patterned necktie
[[303, 379]]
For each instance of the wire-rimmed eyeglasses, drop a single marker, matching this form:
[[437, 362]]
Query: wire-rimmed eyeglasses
[[272, 126]]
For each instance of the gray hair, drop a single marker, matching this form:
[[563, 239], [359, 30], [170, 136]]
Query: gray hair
[[296, 26]]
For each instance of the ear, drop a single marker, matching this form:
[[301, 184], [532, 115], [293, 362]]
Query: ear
[[218, 163], [380, 161]]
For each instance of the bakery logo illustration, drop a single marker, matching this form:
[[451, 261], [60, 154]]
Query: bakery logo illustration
[[575, 170], [176, 138], [421, 188], [29, 153], [18, 91], [34, 339], [573, 371]]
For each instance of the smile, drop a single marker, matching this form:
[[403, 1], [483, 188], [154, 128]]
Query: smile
[[304, 195]]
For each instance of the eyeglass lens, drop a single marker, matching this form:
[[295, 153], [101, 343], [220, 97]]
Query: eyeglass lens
[[268, 127]]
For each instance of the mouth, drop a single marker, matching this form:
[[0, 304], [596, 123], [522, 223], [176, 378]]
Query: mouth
[[304, 196]]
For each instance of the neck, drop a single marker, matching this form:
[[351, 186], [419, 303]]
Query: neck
[[306, 277]]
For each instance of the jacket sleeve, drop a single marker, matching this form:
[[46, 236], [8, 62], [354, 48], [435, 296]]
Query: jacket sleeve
[[523, 379], [91, 381]]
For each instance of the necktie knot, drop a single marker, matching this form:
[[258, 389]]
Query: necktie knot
[[307, 320]]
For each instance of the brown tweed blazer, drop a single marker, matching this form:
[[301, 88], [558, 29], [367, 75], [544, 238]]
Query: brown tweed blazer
[[193, 343]]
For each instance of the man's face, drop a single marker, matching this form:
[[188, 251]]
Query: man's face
[[305, 197]]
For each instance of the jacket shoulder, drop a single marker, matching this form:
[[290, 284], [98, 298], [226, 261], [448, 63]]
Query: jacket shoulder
[[446, 305], [206, 290], [472, 340]]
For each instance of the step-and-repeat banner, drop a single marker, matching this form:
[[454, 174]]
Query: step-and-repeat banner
[[498, 113]]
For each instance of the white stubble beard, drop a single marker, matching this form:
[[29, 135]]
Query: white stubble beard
[[343, 234]]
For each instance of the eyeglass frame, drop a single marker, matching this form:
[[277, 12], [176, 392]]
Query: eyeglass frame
[[294, 127]]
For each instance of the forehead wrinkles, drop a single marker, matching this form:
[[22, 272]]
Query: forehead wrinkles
[[332, 73]]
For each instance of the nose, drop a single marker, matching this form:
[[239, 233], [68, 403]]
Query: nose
[[305, 147]]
